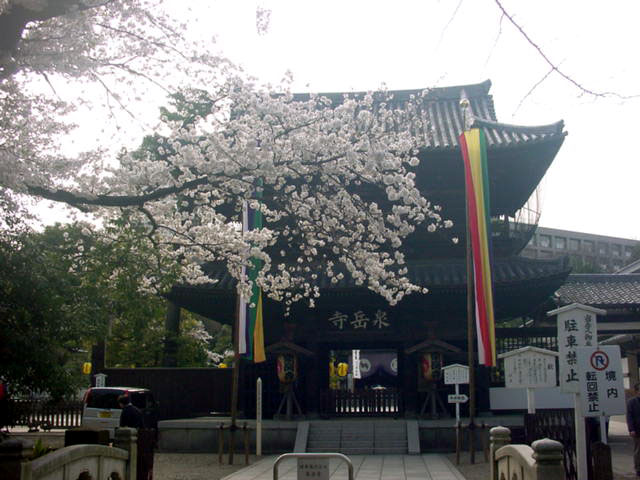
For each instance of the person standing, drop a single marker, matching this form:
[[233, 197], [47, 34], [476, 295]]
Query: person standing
[[131, 416], [633, 423]]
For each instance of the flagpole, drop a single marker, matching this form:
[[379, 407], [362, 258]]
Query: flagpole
[[470, 348], [464, 104]]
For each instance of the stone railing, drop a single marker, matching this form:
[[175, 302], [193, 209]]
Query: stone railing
[[86, 462], [540, 461]]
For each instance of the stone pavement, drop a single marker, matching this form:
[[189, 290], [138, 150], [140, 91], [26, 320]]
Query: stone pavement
[[366, 467]]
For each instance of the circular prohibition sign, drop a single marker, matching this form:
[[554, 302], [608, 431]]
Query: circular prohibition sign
[[599, 360]]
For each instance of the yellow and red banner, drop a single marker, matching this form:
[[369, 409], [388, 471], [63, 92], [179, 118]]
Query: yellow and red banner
[[474, 153]]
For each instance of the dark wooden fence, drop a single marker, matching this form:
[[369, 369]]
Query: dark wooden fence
[[559, 424], [42, 414], [364, 403], [180, 392]]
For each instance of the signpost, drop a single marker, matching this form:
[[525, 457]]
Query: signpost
[[600, 384], [355, 361], [457, 398], [529, 367], [577, 327], [101, 379], [456, 374]]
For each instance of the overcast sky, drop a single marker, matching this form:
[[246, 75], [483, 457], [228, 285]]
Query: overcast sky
[[346, 45]]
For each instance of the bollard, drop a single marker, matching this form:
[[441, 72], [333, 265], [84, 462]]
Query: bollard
[[127, 439], [499, 437], [548, 456], [13, 452]]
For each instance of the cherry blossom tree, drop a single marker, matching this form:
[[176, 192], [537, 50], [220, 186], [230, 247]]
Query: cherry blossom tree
[[333, 177]]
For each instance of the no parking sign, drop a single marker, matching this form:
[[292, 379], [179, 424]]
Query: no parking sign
[[600, 380]]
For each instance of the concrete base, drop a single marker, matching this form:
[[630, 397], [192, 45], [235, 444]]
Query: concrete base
[[200, 435]]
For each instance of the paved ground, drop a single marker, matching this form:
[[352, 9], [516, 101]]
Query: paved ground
[[366, 467]]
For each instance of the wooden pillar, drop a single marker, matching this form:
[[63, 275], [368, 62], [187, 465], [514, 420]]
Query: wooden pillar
[[172, 331], [409, 383], [314, 381]]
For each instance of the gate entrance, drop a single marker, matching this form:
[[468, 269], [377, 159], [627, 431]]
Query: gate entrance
[[362, 383]]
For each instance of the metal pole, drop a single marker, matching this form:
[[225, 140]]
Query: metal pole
[[603, 430], [470, 343], [259, 417]]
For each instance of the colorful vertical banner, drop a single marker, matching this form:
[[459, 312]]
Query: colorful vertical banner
[[250, 321], [474, 152]]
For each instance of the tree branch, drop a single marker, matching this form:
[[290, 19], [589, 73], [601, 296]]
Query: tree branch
[[79, 201], [555, 68]]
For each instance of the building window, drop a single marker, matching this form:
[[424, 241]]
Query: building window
[[627, 252], [532, 241], [574, 244], [588, 246], [545, 254], [545, 241], [602, 248], [561, 243], [616, 250]]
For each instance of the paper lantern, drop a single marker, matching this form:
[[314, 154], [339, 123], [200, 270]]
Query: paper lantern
[[431, 366], [86, 368], [287, 366], [343, 368]]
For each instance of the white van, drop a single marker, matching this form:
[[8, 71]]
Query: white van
[[101, 410]]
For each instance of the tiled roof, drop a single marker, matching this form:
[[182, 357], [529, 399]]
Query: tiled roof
[[604, 290], [450, 273], [442, 120]]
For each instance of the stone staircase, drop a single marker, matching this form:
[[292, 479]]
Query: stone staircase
[[357, 437]]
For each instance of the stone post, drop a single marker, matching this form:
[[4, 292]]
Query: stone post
[[13, 452], [127, 439], [548, 456], [499, 437]]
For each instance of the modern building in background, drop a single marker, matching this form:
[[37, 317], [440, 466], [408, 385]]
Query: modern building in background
[[597, 252]]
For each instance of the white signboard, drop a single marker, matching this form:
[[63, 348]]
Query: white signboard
[[529, 367], [576, 328], [601, 385], [313, 468], [457, 398], [101, 380], [456, 374], [355, 362]]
